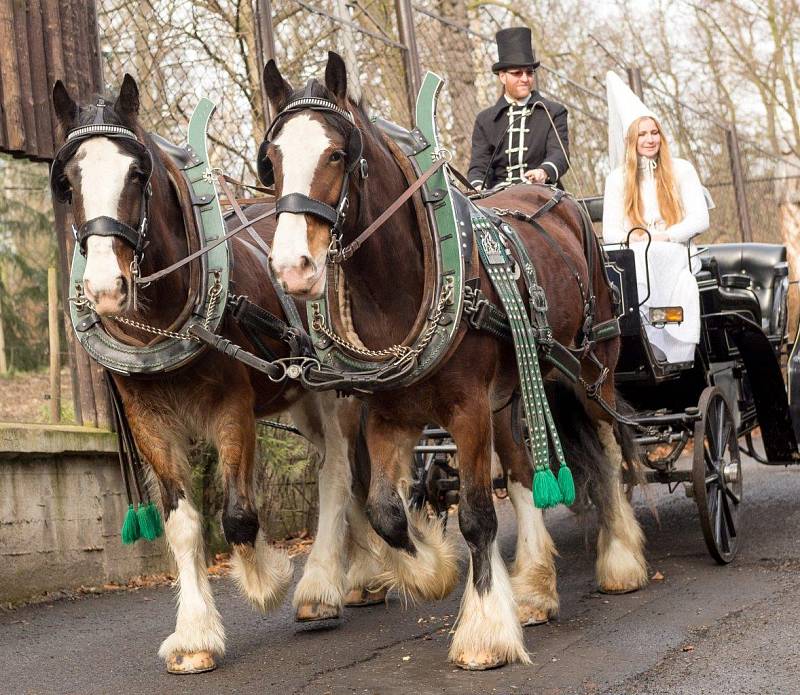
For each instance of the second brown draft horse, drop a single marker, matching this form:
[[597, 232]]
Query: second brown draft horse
[[309, 151]]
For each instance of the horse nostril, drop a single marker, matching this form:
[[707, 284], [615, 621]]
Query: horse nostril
[[307, 264], [120, 284]]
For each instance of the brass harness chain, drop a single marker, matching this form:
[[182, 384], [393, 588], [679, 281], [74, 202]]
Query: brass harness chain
[[402, 353], [213, 295]]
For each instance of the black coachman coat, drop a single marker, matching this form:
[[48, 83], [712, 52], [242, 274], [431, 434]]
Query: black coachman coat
[[541, 149]]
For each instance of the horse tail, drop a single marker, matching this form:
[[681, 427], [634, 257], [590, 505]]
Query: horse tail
[[580, 440]]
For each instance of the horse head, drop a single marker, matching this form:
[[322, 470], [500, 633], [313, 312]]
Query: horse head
[[104, 168], [312, 153]]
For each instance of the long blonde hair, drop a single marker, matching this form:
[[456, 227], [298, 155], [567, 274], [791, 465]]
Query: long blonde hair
[[669, 201]]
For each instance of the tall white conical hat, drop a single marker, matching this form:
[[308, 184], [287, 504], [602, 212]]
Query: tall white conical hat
[[624, 107]]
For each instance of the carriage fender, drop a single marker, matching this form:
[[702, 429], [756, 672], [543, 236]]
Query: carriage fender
[[766, 383]]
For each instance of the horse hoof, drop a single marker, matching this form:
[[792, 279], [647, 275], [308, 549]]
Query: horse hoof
[[482, 661], [364, 597], [528, 615], [614, 589], [191, 662], [310, 612]]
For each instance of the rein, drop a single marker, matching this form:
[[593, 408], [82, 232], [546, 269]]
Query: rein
[[337, 256], [178, 264]]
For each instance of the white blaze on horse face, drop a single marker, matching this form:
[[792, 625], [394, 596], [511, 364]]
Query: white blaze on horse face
[[301, 142], [104, 170]]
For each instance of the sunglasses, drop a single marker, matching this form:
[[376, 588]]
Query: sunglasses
[[519, 72]]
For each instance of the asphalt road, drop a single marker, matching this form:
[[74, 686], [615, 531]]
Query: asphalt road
[[702, 629]]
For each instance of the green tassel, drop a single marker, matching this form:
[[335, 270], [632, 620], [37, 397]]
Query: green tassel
[[566, 484], [157, 524], [146, 522], [149, 521], [130, 527], [545, 489]]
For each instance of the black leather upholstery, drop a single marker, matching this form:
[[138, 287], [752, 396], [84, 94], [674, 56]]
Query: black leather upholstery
[[594, 205], [764, 264]]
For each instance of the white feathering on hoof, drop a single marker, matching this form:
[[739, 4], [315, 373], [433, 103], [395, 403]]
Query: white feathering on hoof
[[198, 626], [620, 545], [488, 632], [620, 562], [317, 585], [533, 577], [364, 554], [263, 573], [431, 573]]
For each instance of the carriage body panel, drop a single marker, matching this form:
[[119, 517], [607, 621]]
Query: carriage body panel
[[743, 322]]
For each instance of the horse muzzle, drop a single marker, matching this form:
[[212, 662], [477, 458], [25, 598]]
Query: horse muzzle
[[304, 279], [108, 300]]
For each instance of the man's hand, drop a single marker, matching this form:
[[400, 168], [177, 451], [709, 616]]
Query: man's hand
[[536, 175]]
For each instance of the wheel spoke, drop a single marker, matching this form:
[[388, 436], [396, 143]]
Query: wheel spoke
[[736, 499], [717, 516], [709, 459], [720, 426], [724, 536], [730, 527], [726, 434], [712, 426]]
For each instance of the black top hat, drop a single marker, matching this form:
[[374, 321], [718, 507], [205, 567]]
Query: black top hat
[[514, 49]]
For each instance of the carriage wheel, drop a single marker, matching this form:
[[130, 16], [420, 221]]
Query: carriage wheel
[[717, 475]]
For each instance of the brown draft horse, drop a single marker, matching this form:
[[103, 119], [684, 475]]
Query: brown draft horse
[[468, 395], [213, 399]]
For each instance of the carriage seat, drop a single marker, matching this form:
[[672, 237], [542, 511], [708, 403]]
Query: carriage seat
[[764, 265], [594, 206]]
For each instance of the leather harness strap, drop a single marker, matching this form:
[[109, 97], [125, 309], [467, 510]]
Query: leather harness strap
[[287, 304], [353, 246], [179, 264]]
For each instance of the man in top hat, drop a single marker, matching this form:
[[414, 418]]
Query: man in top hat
[[514, 140]]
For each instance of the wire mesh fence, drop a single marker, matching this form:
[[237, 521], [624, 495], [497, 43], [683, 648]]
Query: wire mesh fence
[[182, 49]]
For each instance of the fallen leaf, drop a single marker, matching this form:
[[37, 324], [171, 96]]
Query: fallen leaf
[[657, 577], [688, 648]]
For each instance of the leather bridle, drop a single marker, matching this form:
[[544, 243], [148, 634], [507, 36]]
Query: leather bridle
[[135, 237], [299, 203]]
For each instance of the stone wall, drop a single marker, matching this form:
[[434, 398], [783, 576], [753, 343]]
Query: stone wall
[[61, 507]]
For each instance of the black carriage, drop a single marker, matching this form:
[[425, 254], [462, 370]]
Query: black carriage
[[734, 384]]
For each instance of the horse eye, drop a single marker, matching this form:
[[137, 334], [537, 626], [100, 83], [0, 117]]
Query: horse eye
[[336, 156]]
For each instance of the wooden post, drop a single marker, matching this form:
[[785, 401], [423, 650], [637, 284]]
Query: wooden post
[[405, 26], [3, 363], [82, 393], [740, 191], [635, 81], [10, 78], [348, 45], [265, 46], [55, 346]]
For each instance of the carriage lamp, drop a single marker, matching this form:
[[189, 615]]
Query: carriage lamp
[[661, 315]]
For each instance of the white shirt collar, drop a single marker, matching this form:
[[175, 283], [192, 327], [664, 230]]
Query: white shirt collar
[[517, 102]]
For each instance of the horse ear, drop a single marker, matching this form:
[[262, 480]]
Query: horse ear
[[278, 89], [66, 109], [127, 105], [336, 77]]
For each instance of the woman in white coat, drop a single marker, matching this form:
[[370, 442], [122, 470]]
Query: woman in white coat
[[663, 195]]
